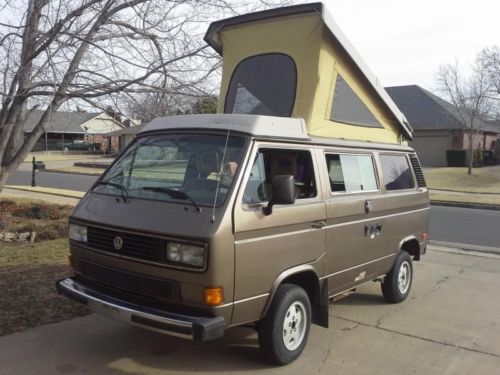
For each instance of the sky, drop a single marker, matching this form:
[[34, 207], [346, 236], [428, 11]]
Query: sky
[[403, 42]]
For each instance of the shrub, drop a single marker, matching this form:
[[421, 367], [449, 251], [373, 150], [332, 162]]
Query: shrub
[[477, 158], [41, 211], [6, 205], [456, 158]]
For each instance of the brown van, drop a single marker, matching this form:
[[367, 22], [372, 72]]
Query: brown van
[[258, 216]]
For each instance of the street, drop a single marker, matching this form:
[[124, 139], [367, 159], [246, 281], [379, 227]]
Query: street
[[450, 224], [76, 182], [449, 325], [465, 225]]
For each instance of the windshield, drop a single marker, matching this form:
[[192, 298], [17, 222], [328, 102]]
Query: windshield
[[192, 168]]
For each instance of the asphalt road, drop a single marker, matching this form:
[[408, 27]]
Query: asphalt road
[[53, 180], [465, 225], [450, 224], [449, 325]]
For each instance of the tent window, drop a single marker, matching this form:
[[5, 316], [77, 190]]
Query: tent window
[[263, 85], [348, 108]]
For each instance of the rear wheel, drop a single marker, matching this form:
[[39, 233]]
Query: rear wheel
[[397, 283], [283, 332]]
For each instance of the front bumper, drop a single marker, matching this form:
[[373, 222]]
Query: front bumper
[[186, 326]]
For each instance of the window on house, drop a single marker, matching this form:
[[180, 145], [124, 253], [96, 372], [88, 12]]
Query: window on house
[[351, 173], [263, 85], [396, 172], [348, 108], [271, 162]]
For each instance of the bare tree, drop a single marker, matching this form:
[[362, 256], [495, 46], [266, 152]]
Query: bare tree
[[470, 97], [490, 59], [96, 52]]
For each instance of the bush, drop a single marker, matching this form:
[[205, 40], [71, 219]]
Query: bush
[[456, 158], [41, 211], [477, 158]]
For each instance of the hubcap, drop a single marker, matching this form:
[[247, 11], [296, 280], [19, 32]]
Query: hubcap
[[294, 325], [404, 277]]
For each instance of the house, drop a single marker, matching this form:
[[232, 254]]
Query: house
[[67, 127], [296, 62], [126, 135], [437, 125]]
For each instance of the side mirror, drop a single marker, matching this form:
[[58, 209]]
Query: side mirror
[[283, 192]]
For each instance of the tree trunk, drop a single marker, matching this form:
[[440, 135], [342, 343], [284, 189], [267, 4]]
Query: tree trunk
[[471, 156], [3, 179]]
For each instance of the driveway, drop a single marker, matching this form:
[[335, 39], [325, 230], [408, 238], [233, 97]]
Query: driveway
[[449, 325]]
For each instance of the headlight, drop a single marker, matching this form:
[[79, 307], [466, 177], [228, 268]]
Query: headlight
[[192, 255], [78, 233]]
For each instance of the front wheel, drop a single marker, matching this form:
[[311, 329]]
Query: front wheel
[[397, 283], [283, 332]]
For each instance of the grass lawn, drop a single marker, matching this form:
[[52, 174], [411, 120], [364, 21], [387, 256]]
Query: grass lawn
[[28, 271], [59, 156], [28, 297], [467, 198], [482, 180]]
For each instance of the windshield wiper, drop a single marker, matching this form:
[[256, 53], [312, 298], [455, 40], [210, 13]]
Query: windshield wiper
[[174, 193], [122, 188]]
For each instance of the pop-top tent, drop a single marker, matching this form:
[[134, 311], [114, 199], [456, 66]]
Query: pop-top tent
[[295, 62]]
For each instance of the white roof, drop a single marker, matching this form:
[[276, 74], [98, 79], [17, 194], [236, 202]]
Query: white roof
[[256, 125]]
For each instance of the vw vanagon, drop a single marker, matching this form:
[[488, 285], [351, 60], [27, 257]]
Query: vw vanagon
[[260, 214]]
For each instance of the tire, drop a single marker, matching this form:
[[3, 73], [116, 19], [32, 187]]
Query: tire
[[284, 331], [397, 283]]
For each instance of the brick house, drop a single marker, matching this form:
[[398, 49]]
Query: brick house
[[67, 127], [437, 126]]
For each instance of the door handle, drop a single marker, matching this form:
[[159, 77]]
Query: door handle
[[319, 224]]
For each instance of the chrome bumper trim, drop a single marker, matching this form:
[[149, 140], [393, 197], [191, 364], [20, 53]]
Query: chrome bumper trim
[[185, 326]]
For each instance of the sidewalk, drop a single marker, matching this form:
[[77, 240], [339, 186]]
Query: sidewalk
[[40, 194]]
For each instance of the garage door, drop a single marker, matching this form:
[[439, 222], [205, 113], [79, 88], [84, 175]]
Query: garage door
[[432, 149]]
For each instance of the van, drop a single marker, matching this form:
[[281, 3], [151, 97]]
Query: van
[[255, 216], [207, 222]]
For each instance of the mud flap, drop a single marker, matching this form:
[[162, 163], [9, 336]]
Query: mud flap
[[321, 305]]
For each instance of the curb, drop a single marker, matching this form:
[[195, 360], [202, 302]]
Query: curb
[[465, 247], [482, 206], [50, 170], [57, 192]]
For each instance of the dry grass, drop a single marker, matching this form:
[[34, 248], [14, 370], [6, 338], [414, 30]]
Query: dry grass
[[466, 198], [27, 285], [482, 180], [59, 156]]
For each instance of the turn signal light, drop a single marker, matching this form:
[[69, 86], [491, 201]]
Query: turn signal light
[[213, 296]]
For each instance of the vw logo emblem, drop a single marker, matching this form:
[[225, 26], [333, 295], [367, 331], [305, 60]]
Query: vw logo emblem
[[118, 243]]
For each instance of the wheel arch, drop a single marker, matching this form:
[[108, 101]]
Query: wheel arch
[[411, 245], [307, 278]]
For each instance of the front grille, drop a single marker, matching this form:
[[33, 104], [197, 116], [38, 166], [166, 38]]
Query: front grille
[[134, 245], [130, 282], [418, 171]]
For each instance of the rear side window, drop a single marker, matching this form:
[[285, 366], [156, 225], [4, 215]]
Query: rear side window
[[351, 173], [263, 85], [396, 172]]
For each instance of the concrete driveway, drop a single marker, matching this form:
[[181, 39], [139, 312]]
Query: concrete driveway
[[449, 325]]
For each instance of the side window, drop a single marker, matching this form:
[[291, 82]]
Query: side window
[[347, 107], [396, 172], [263, 85], [351, 173], [271, 162]]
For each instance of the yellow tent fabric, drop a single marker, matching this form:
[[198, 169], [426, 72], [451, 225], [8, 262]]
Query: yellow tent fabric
[[319, 58]]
